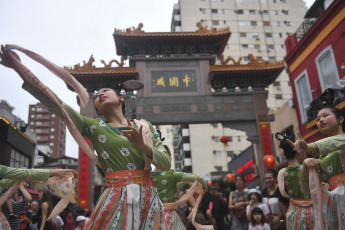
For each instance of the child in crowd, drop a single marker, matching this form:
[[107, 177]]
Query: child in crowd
[[257, 221]]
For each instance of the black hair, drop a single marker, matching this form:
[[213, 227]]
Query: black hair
[[232, 186], [257, 210], [259, 196], [288, 150], [244, 181], [337, 112], [47, 197], [205, 202], [273, 172]]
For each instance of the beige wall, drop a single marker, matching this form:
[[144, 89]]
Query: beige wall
[[204, 160]]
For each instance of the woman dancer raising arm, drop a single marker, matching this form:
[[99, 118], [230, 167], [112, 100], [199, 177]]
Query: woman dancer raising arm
[[125, 148]]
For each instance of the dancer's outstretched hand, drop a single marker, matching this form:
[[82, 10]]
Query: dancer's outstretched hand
[[299, 145], [6, 56], [134, 135], [312, 163]]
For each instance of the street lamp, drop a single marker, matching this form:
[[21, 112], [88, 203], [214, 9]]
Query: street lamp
[[131, 87]]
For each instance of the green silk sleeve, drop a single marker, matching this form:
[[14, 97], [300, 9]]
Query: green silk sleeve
[[160, 157], [330, 144], [53, 108], [189, 177], [15, 174]]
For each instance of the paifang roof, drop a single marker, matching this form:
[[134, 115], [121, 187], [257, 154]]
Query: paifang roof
[[135, 41], [94, 78], [256, 73]]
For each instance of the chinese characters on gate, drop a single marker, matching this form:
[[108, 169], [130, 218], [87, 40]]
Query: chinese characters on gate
[[173, 81]]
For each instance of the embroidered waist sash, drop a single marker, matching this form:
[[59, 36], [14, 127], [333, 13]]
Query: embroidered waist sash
[[126, 177], [336, 181]]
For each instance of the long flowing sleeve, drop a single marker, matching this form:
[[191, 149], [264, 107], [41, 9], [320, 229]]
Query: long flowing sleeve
[[53, 108], [189, 177], [330, 144]]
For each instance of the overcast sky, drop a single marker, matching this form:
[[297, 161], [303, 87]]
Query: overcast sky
[[67, 32]]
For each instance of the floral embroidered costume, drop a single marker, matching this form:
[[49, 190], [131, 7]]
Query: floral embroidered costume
[[332, 165], [300, 214], [9, 176], [166, 184], [131, 200]]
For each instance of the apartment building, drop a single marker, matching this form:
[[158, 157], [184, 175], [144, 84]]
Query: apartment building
[[258, 27], [50, 130]]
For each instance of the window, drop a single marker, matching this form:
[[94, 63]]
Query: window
[[241, 23], [203, 11], [268, 35], [276, 83], [39, 115], [326, 68], [51, 144], [38, 123], [214, 11], [276, 12], [51, 136], [280, 35], [287, 23], [266, 23], [33, 109], [253, 23], [239, 138], [252, 12], [223, 11], [285, 12], [279, 96], [53, 115], [272, 59], [215, 22], [32, 116], [224, 22], [246, 58], [227, 46], [304, 96], [18, 160], [265, 12], [218, 154], [282, 46], [257, 47], [243, 35], [230, 139], [278, 23], [52, 130], [204, 22], [216, 139], [263, 1], [215, 125], [244, 46], [32, 123], [239, 11]]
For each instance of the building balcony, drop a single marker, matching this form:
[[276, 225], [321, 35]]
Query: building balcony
[[331, 97], [304, 28]]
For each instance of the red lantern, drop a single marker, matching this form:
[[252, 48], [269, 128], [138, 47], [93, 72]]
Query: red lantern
[[230, 176], [269, 160], [209, 183], [224, 140]]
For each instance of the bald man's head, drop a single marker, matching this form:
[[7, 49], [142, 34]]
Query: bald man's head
[[34, 206]]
